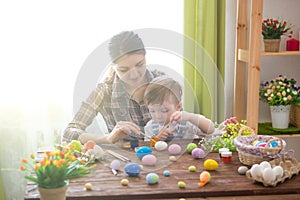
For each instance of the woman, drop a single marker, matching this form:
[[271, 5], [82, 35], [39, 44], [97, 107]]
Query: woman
[[118, 98]]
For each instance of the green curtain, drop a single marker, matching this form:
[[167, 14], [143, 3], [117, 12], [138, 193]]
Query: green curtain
[[1, 188], [204, 51]]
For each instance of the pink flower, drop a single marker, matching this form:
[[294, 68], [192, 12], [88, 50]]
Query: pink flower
[[278, 94], [269, 98], [284, 93], [289, 97]]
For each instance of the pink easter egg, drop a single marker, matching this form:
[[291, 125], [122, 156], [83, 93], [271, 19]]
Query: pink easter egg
[[198, 153], [149, 160], [174, 149]]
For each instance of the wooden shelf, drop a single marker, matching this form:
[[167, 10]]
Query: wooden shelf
[[243, 55]]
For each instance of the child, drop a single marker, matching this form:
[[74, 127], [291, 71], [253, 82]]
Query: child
[[163, 98]]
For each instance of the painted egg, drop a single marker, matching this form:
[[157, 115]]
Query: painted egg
[[256, 171], [174, 149], [172, 158], [192, 168], [181, 184], [124, 182], [278, 170], [89, 145], [166, 173], [254, 142], [149, 159], [115, 164], [198, 153], [274, 144], [204, 176], [132, 169], [160, 145], [152, 178], [210, 164], [142, 151], [242, 170], [269, 175], [260, 144], [190, 147], [88, 186]]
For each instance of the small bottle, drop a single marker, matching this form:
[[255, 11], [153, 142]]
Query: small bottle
[[226, 156], [152, 143], [222, 150]]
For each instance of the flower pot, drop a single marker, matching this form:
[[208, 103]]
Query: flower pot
[[53, 193], [272, 45], [295, 115], [280, 116]]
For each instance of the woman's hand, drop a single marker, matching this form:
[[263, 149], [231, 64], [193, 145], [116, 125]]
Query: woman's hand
[[122, 129], [230, 120]]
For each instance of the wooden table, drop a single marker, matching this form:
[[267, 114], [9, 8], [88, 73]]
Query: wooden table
[[225, 182]]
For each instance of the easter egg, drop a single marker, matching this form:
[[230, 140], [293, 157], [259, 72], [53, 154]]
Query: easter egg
[[260, 144], [274, 144], [190, 147], [142, 151], [172, 158], [174, 149], [265, 164], [160, 145], [166, 173], [89, 145], [210, 164], [192, 168], [124, 182], [181, 184], [132, 169], [268, 175], [115, 164], [256, 171], [204, 178], [278, 170], [198, 153], [152, 178], [88, 186], [242, 170], [149, 159]]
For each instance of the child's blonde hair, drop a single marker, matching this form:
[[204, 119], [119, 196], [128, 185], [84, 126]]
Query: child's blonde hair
[[160, 88]]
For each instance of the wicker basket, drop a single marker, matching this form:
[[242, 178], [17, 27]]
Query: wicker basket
[[250, 155], [295, 115]]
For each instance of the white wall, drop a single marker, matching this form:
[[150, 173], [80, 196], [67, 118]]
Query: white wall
[[270, 66]]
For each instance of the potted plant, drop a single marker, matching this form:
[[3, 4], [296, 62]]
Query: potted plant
[[279, 93], [52, 171], [272, 30]]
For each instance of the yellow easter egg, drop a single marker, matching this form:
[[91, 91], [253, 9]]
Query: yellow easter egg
[[210, 164]]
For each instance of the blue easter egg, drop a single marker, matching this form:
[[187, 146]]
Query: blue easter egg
[[152, 178], [132, 169], [166, 173], [274, 144], [142, 151]]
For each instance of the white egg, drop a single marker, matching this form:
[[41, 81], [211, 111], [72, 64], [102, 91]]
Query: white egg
[[265, 164], [160, 145], [115, 164], [256, 171], [242, 170], [278, 170], [269, 175]]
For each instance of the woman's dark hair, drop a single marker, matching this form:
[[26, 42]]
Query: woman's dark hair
[[126, 42]]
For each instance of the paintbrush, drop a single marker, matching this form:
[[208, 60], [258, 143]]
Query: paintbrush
[[147, 136], [163, 129]]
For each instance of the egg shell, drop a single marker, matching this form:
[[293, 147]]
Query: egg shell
[[172, 158], [124, 182], [152, 178], [242, 170], [198, 153], [174, 149], [265, 164], [161, 145], [166, 173], [88, 186], [190, 147], [256, 171], [132, 169], [278, 170], [269, 175], [142, 151], [115, 164], [149, 159]]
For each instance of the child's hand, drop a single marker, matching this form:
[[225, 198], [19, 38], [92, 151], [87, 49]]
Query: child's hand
[[176, 116], [165, 134]]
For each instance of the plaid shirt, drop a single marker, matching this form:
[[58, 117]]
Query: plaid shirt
[[111, 100]]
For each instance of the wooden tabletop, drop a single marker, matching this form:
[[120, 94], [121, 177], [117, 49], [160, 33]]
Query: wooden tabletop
[[225, 181]]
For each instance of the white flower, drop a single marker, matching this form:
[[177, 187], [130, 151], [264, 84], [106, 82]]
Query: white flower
[[284, 99], [280, 83], [266, 94], [288, 90], [295, 92], [272, 95]]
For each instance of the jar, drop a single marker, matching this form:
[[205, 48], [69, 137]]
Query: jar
[[226, 156]]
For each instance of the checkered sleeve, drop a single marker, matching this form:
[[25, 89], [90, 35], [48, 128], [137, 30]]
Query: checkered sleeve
[[85, 115]]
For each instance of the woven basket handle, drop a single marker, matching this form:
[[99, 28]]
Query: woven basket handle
[[273, 150], [246, 128]]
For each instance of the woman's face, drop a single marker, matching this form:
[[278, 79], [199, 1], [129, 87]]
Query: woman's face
[[131, 68]]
